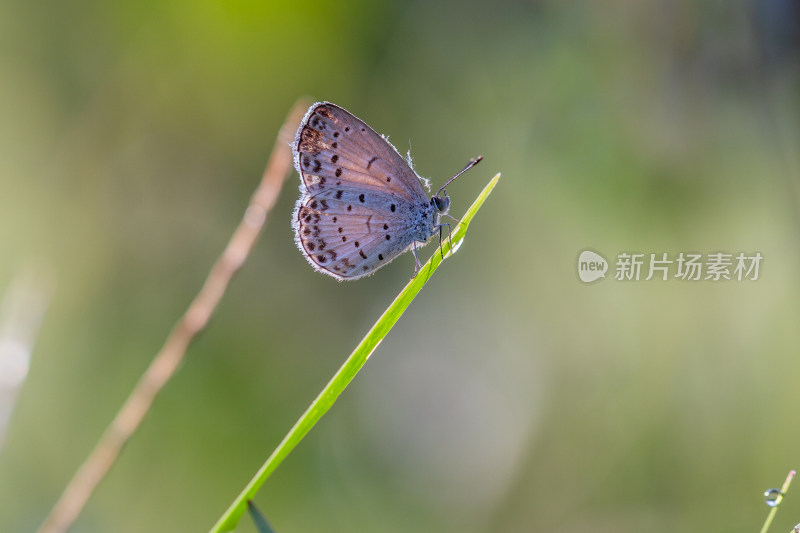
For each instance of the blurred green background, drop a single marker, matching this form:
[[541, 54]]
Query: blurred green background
[[511, 397]]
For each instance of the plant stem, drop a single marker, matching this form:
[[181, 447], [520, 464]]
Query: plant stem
[[774, 509], [351, 366]]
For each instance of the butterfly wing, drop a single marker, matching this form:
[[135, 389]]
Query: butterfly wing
[[361, 203], [347, 240], [331, 138]]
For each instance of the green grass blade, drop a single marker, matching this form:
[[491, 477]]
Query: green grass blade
[[777, 502], [262, 526], [350, 368]]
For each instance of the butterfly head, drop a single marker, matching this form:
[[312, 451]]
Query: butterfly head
[[441, 203]]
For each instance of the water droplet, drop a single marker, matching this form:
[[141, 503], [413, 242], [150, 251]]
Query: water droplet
[[456, 246], [773, 497]]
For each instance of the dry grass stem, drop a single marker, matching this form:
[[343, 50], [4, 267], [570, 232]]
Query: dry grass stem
[[163, 366]]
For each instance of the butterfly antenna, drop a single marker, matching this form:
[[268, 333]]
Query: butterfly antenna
[[472, 163]]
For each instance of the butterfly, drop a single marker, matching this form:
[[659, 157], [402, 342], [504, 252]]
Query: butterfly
[[361, 204]]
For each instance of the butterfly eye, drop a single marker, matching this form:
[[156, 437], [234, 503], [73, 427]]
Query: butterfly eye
[[441, 204]]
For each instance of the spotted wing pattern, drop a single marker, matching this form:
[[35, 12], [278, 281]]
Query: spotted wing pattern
[[361, 204]]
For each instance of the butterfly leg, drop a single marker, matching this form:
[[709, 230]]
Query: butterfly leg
[[417, 264], [454, 218], [449, 237]]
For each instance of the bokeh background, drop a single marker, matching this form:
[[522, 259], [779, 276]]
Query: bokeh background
[[511, 397]]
